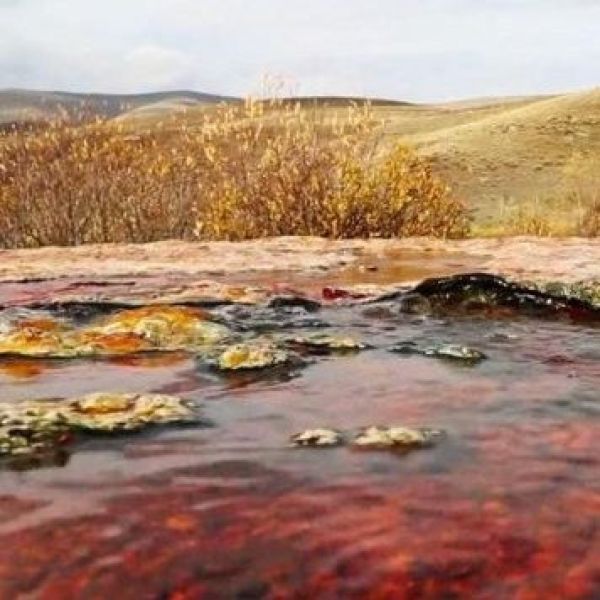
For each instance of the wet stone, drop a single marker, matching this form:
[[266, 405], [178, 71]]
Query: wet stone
[[292, 301], [503, 336], [481, 291], [317, 438], [263, 319], [376, 437], [38, 426], [414, 304], [444, 351], [25, 439], [586, 291], [250, 356], [106, 412], [325, 343]]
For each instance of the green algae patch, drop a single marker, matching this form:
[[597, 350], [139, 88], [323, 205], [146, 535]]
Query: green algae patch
[[39, 426]]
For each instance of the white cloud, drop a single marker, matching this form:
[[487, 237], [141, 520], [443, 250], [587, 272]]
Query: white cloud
[[156, 67], [414, 49]]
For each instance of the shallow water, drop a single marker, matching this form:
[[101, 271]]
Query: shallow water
[[506, 505]]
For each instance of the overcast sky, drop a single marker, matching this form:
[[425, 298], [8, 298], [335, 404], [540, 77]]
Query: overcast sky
[[406, 49]]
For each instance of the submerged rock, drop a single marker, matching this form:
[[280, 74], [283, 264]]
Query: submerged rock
[[414, 304], [40, 425], [448, 351], [27, 439], [264, 319], [294, 301], [251, 355], [396, 437], [321, 438], [323, 342]]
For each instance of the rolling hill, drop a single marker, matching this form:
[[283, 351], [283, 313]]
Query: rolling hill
[[17, 106], [507, 152], [492, 151]]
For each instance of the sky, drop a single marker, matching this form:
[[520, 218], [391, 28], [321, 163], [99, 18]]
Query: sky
[[418, 50]]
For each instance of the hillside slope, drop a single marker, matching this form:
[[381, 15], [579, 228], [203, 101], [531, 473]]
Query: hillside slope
[[515, 153]]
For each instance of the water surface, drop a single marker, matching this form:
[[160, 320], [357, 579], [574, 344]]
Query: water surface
[[507, 505]]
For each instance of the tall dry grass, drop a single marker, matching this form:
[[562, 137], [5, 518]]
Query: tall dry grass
[[573, 210], [582, 178], [244, 171]]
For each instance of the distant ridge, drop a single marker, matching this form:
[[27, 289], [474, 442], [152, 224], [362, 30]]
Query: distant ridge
[[21, 105], [345, 100]]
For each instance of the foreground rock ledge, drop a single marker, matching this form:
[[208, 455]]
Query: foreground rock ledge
[[173, 271]]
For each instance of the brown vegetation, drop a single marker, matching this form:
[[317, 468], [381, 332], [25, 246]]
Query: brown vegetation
[[244, 171], [573, 209]]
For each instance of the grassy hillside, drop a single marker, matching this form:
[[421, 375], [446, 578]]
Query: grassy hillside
[[496, 153], [506, 153], [502, 156]]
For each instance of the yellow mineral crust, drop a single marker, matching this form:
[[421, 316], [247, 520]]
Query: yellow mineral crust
[[253, 355], [92, 343], [30, 341], [114, 412], [395, 437], [166, 327], [100, 412], [151, 328]]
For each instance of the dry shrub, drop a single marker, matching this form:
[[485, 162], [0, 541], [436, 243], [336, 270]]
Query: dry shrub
[[245, 171], [590, 225], [530, 219], [79, 184]]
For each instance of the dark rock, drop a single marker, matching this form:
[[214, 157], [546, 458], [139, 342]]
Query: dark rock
[[480, 291]]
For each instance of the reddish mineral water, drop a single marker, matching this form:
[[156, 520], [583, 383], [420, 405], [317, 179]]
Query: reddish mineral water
[[506, 505]]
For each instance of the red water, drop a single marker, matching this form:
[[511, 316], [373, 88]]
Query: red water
[[507, 505]]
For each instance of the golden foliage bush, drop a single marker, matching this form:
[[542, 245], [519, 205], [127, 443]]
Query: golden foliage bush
[[244, 171]]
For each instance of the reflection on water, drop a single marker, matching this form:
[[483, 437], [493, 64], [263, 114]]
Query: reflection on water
[[505, 506]]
